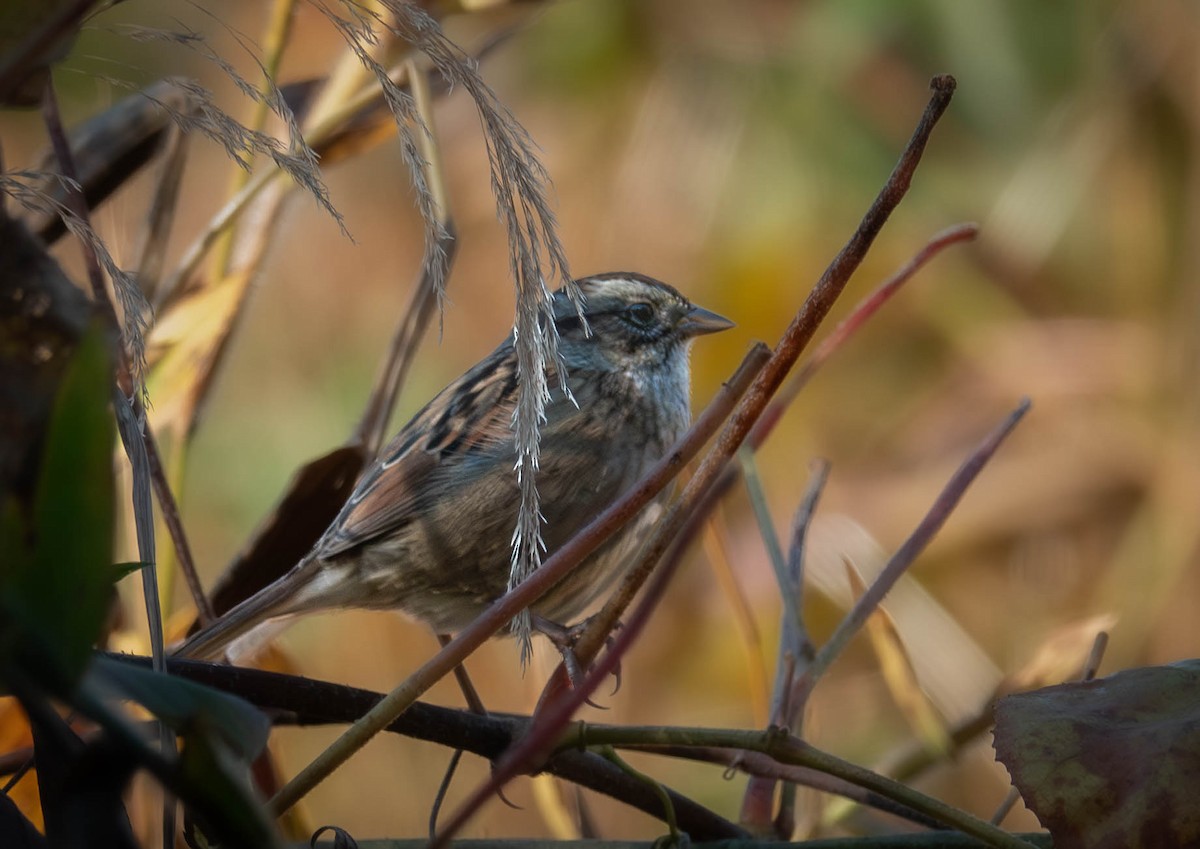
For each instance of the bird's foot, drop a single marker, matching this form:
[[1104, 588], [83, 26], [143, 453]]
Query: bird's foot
[[564, 639]]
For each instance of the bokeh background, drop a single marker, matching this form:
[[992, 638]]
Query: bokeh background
[[730, 147]]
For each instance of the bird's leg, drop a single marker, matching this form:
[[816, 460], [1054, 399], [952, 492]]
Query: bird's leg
[[564, 638], [465, 684]]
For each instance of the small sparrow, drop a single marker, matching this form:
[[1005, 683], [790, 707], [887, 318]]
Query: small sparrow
[[428, 528]]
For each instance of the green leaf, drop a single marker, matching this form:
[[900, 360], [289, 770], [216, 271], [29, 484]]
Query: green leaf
[[71, 585], [208, 777], [124, 570], [23, 21], [185, 705], [242, 821], [57, 591]]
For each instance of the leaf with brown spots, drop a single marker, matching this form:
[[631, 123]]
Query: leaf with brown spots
[[1113, 762]]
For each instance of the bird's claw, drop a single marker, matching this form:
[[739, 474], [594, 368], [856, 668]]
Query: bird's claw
[[564, 639]]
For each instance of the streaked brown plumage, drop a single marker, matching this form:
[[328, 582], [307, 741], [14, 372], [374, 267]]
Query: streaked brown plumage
[[428, 528]]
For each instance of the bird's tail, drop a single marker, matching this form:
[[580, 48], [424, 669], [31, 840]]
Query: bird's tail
[[280, 598]]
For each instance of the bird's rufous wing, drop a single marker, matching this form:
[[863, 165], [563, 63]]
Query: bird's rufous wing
[[472, 415]]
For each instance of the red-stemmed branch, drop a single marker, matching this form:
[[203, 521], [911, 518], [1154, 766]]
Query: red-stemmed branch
[[559, 702]]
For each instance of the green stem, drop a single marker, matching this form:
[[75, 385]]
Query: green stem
[[610, 755], [787, 749]]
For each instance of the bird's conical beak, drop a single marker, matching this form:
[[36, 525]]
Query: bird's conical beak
[[699, 321]]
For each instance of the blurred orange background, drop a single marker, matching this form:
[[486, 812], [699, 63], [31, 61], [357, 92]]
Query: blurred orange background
[[730, 148]]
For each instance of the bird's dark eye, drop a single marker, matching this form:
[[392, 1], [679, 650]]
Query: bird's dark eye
[[640, 314]]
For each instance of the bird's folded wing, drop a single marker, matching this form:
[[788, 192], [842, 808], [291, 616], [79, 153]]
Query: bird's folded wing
[[469, 417]]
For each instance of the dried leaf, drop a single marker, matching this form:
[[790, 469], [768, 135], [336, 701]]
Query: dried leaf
[[1112, 762], [15, 734], [900, 676], [1060, 656], [309, 503]]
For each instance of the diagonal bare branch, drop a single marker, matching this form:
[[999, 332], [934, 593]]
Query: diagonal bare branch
[[504, 608], [558, 704]]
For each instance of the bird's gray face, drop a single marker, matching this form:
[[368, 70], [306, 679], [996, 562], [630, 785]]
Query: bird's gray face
[[636, 323]]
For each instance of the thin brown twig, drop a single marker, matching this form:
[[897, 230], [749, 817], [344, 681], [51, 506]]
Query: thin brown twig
[[841, 334], [169, 509], [553, 714], [130, 395], [766, 530], [77, 204], [1092, 665], [553, 569], [297, 701], [474, 704], [127, 408], [899, 562], [372, 426], [803, 327], [862, 312], [430, 288], [558, 703], [798, 645], [126, 397], [795, 653]]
